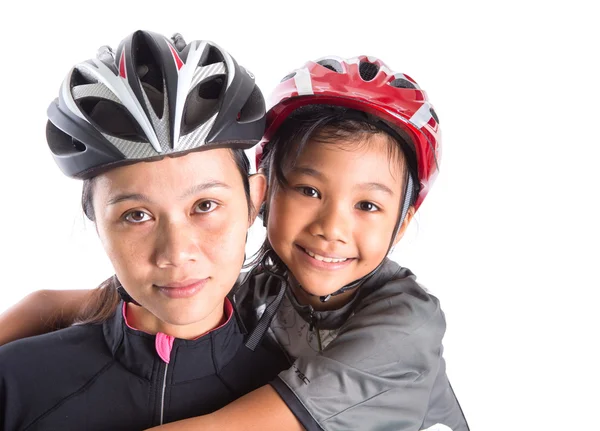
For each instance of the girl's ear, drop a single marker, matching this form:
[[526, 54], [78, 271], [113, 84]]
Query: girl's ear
[[409, 216], [258, 190]]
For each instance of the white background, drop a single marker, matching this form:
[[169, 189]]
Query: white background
[[507, 239]]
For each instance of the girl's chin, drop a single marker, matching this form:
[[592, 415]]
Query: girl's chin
[[307, 291]]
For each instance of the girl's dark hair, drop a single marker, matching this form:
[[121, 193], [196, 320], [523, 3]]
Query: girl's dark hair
[[102, 303], [329, 125]]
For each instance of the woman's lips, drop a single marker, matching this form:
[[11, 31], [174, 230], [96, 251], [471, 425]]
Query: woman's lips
[[183, 289]]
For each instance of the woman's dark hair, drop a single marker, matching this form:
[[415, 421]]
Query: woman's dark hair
[[101, 304], [329, 125]]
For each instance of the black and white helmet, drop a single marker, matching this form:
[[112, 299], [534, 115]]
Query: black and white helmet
[[152, 97]]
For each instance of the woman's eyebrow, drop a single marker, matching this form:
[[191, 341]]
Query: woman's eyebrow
[[129, 197], [198, 188], [204, 186]]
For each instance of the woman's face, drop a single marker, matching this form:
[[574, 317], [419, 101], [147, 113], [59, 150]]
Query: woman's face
[[175, 232]]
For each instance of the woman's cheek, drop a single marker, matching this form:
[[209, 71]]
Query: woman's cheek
[[224, 239]]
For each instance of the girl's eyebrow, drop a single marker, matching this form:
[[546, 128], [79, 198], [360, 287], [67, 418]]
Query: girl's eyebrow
[[363, 186], [308, 171], [189, 192], [375, 186]]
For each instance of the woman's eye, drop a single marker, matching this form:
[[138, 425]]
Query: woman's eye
[[367, 206], [205, 207], [309, 191], [137, 216]]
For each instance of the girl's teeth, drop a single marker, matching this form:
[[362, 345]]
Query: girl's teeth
[[325, 259]]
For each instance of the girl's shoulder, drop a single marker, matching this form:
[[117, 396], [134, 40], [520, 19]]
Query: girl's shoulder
[[394, 296]]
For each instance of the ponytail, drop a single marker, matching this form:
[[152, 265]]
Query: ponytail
[[101, 304]]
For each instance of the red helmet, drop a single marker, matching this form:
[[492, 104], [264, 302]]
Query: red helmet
[[366, 84]]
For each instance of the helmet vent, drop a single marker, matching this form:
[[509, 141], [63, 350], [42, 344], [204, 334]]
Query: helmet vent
[[111, 118], [79, 146], [210, 56], [202, 103], [254, 108], [434, 115], [331, 64], [402, 83], [290, 76], [149, 73], [61, 143], [367, 70], [81, 77]]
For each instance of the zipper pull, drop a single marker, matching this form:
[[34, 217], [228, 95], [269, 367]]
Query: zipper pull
[[312, 327]]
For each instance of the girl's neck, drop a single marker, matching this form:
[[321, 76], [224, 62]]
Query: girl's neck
[[333, 303]]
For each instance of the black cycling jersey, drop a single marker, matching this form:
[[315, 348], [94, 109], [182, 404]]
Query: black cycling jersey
[[110, 376]]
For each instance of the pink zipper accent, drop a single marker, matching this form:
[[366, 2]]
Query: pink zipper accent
[[164, 345]]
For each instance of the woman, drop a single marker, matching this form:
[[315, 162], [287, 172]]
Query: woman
[[157, 132]]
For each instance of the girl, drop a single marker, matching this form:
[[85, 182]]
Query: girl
[[352, 150], [174, 349]]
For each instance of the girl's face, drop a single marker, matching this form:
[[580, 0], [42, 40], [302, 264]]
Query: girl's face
[[175, 232], [334, 223]]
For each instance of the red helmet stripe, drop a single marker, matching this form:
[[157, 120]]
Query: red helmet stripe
[[176, 57], [122, 68]]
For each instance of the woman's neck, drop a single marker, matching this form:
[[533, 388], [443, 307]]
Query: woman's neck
[[143, 320]]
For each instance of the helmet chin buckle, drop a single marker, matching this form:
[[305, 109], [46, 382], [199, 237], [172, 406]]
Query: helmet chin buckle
[[325, 298], [123, 293]]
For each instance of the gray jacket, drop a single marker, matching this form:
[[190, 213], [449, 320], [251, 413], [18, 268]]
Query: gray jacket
[[378, 365]]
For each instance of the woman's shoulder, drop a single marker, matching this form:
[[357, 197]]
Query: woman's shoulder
[[29, 358], [37, 373]]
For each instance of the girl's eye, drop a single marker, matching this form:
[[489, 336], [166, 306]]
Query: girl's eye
[[367, 206], [137, 217], [309, 191], [205, 207]]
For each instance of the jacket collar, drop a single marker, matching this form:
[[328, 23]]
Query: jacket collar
[[142, 353]]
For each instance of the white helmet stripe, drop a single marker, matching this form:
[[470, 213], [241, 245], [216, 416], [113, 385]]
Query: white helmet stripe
[[385, 69], [94, 90], [303, 82], [186, 75], [422, 116], [205, 72], [68, 97], [119, 86], [228, 62], [161, 125]]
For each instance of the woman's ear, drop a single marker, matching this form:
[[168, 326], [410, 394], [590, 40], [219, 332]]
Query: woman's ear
[[258, 190], [409, 216]]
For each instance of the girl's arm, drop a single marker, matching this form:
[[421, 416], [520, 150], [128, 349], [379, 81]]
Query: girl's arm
[[40, 312], [384, 370], [260, 410]]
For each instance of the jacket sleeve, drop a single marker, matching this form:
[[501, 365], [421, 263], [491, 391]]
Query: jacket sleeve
[[379, 371]]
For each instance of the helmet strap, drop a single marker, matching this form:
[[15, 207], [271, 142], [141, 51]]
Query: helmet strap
[[123, 293]]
